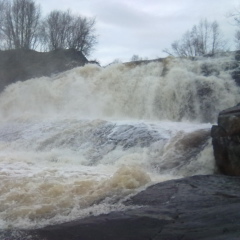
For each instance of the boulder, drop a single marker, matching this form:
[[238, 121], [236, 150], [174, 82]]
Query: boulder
[[226, 141]]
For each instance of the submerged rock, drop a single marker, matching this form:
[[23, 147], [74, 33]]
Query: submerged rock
[[226, 141], [198, 207]]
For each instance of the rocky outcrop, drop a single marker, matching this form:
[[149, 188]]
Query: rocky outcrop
[[198, 207], [19, 65], [226, 141]]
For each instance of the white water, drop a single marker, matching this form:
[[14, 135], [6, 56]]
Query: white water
[[76, 144]]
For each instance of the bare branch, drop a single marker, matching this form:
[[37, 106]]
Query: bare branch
[[64, 30], [204, 38], [19, 24]]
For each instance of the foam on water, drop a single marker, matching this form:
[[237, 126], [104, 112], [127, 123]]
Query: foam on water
[[80, 142], [53, 171], [173, 90]]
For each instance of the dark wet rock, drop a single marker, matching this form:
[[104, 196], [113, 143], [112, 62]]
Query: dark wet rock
[[129, 136], [226, 141], [232, 66], [199, 207], [185, 149], [20, 65], [102, 137], [208, 69], [236, 71], [236, 76]]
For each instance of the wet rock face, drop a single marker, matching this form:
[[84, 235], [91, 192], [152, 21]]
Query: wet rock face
[[226, 141]]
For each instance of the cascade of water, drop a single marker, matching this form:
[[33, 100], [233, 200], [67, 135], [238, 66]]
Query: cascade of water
[[77, 143], [175, 90]]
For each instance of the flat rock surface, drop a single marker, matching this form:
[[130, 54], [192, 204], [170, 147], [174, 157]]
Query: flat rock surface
[[198, 207]]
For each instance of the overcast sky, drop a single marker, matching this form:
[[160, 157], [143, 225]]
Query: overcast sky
[[144, 27]]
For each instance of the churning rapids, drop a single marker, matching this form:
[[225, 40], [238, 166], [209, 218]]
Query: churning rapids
[[80, 142]]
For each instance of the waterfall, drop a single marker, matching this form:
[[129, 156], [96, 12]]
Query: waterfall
[[78, 143]]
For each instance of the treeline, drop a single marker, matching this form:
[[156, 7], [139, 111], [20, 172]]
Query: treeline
[[23, 27], [203, 39]]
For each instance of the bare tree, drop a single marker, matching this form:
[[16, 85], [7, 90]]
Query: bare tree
[[21, 27], [19, 24], [237, 39], [135, 58], [236, 18], [56, 29], [64, 30], [2, 7], [82, 35], [204, 38]]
